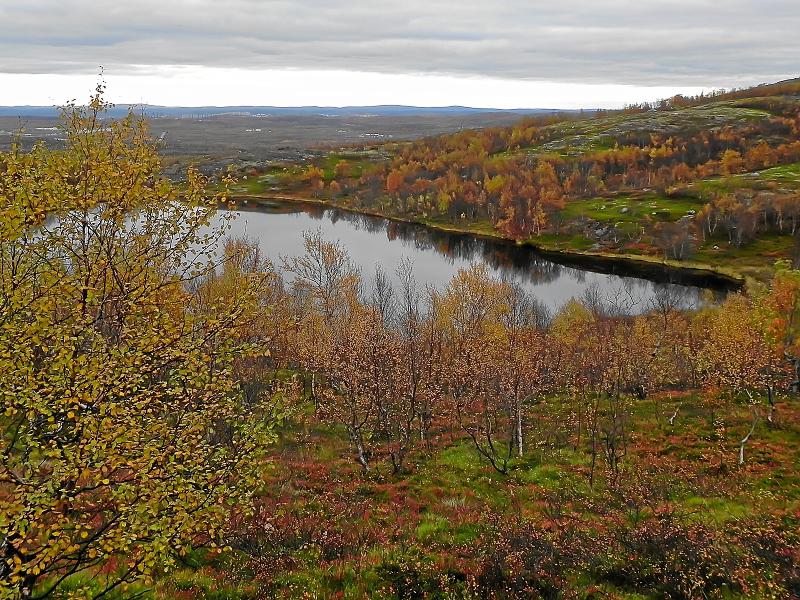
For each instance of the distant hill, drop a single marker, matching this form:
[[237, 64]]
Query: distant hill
[[214, 111], [715, 177]]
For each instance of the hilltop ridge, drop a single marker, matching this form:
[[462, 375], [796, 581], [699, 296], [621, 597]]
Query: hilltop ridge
[[188, 112]]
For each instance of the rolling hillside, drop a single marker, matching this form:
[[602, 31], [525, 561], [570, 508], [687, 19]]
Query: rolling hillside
[[712, 179]]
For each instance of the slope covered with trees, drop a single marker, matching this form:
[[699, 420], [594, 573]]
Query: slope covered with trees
[[654, 179]]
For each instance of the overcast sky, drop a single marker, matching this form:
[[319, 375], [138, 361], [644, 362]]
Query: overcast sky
[[498, 53]]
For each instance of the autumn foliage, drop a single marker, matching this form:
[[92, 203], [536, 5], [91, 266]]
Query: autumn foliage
[[126, 435], [176, 401], [408, 375], [520, 180]]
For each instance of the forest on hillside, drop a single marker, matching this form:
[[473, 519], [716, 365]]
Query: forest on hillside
[[178, 422], [653, 179]]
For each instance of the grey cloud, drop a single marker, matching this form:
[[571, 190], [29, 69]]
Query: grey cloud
[[681, 42]]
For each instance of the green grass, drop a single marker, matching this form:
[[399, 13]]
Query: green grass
[[460, 457], [630, 209], [443, 222], [253, 185], [784, 173], [754, 259], [432, 527], [715, 510], [358, 164], [546, 476], [780, 177], [562, 242]]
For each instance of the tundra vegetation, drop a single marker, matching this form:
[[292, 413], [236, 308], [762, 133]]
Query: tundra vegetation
[[714, 179], [183, 423]]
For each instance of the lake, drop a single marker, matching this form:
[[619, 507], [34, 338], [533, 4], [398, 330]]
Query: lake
[[437, 256]]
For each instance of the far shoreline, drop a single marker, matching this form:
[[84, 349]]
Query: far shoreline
[[632, 265]]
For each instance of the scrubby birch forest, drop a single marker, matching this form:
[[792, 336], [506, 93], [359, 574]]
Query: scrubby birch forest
[[183, 417]]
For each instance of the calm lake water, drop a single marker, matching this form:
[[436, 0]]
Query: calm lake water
[[437, 256]]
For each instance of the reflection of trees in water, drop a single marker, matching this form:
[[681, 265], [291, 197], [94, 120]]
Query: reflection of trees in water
[[629, 296], [506, 258], [666, 296], [523, 262], [318, 213], [620, 292]]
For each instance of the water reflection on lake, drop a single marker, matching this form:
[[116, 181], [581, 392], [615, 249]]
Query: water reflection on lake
[[437, 256]]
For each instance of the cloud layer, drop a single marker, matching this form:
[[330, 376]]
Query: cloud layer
[[642, 43]]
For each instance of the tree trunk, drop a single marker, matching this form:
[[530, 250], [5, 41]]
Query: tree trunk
[[675, 414], [362, 459], [314, 392], [361, 454], [746, 438], [771, 401]]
